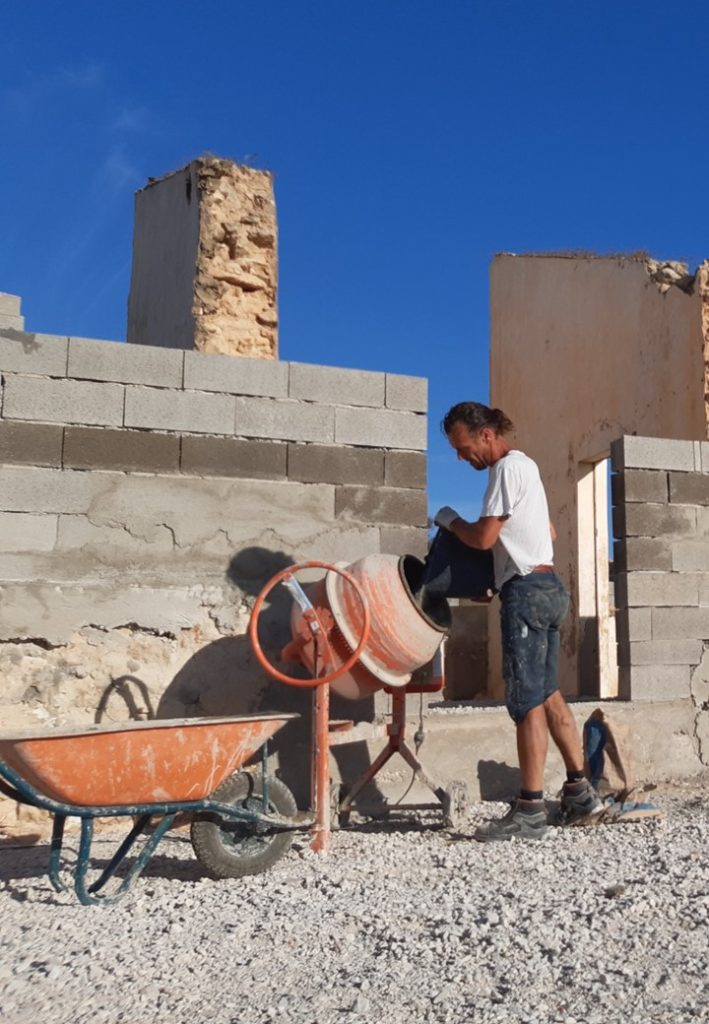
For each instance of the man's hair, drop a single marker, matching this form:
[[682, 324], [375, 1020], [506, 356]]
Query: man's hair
[[475, 416]]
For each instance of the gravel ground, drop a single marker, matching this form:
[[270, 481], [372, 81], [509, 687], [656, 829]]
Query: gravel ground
[[401, 923]]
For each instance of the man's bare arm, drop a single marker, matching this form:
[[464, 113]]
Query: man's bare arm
[[481, 534]]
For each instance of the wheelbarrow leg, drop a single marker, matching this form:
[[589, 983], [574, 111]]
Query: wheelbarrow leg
[[120, 853], [86, 894], [56, 852]]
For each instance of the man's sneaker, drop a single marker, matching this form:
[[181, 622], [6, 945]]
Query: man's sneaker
[[580, 804], [518, 823]]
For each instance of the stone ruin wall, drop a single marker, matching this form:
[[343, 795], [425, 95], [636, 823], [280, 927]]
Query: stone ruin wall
[[205, 268], [235, 307]]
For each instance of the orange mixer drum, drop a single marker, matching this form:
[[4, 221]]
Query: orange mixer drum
[[405, 634]]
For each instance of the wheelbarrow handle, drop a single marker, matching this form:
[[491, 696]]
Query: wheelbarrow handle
[[286, 576]]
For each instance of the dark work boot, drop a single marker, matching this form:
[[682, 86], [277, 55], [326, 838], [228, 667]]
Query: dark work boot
[[580, 804], [526, 819]]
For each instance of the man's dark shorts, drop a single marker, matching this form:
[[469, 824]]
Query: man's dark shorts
[[532, 609]]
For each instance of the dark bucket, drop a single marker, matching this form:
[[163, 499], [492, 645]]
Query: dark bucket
[[452, 569]]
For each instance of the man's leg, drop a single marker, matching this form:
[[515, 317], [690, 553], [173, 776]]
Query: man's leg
[[532, 744], [527, 818], [579, 800], [524, 662], [564, 731]]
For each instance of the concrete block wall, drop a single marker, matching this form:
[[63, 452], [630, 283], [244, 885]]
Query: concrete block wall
[[660, 491], [146, 494]]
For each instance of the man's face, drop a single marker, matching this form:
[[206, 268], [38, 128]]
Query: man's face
[[473, 448]]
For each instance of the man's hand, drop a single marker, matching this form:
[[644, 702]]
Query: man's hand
[[445, 517]]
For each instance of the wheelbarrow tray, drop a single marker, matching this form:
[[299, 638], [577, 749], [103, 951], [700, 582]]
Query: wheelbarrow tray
[[155, 762]]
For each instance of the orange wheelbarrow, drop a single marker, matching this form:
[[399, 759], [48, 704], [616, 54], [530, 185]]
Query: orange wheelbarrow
[[241, 823]]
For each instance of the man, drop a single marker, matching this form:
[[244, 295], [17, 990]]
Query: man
[[515, 524]]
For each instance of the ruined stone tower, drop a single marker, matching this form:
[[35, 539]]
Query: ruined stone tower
[[205, 261]]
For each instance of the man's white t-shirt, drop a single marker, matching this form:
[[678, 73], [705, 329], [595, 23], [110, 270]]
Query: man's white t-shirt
[[515, 489]]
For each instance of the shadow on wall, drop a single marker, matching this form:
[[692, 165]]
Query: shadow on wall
[[134, 694], [224, 678], [498, 780]]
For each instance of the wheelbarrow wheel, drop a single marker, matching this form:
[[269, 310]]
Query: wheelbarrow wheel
[[230, 848]]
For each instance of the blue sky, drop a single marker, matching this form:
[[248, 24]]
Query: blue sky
[[410, 142]]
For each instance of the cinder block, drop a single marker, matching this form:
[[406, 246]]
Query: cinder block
[[236, 375], [639, 485], [650, 520], [657, 682], [404, 541], [31, 567], [285, 421], [680, 623], [618, 520], [703, 590], [30, 489], [633, 624], [10, 304], [22, 352], [660, 652], [11, 323], [227, 456], [702, 522], [66, 609], [637, 553], [410, 393], [127, 364], [631, 452], [21, 531], [210, 518], [314, 463], [689, 488], [341, 545], [405, 469], [63, 401], [690, 556], [704, 456], [617, 561], [112, 541], [129, 450], [661, 589], [34, 444], [620, 589], [624, 682], [340, 387], [380, 428], [189, 411], [381, 505]]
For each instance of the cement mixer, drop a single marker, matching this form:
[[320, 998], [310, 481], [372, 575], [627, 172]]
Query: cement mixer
[[406, 628], [362, 628]]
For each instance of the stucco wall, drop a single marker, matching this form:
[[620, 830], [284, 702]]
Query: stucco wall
[[582, 351]]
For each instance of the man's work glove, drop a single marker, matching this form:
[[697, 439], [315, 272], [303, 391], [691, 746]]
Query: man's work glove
[[445, 516]]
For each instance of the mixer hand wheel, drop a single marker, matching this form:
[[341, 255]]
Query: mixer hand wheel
[[319, 628]]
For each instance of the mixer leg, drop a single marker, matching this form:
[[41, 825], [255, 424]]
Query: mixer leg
[[320, 841], [354, 791], [420, 772]]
